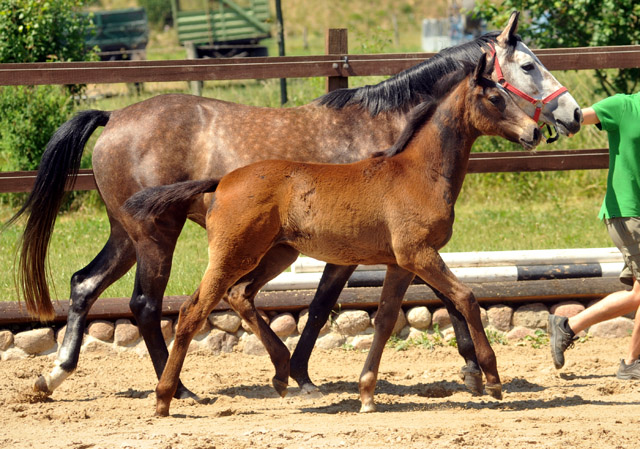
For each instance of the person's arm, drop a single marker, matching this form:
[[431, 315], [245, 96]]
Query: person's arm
[[589, 117]]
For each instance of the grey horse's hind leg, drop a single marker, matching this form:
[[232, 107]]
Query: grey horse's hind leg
[[111, 263]]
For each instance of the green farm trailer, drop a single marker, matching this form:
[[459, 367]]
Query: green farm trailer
[[222, 28], [120, 34]]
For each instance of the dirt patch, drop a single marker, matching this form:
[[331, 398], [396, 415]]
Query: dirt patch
[[109, 403]]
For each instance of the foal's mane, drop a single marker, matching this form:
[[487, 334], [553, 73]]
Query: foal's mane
[[425, 110], [414, 85]]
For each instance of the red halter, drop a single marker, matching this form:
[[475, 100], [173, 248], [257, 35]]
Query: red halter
[[539, 104]]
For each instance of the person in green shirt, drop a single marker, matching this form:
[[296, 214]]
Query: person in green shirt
[[619, 116]]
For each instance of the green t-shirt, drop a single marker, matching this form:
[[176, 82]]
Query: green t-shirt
[[619, 115]]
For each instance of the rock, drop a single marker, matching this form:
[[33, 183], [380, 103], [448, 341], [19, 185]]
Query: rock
[[615, 328], [419, 317], [14, 354], [283, 325], [484, 318], [126, 334], [6, 340], [302, 322], [35, 341], [362, 342], [264, 316], [60, 334], [93, 344], [291, 342], [102, 330], [440, 318], [533, 316], [219, 341], [416, 334], [400, 323], [166, 325], [331, 340], [567, 308], [519, 332], [253, 346], [352, 322], [499, 317], [228, 321]]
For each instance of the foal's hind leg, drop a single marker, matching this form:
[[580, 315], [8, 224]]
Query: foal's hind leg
[[241, 297], [113, 261], [331, 284], [396, 282], [470, 373]]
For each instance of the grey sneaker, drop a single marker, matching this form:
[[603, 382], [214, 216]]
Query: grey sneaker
[[628, 372], [561, 340]]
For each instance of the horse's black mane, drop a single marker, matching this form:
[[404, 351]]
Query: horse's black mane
[[424, 111], [412, 86]]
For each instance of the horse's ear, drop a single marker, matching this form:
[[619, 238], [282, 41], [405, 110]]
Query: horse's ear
[[509, 31], [481, 68], [490, 64]]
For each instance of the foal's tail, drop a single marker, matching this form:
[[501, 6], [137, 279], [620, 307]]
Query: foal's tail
[[58, 169], [155, 201]]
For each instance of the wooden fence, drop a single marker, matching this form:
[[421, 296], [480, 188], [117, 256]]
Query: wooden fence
[[337, 66]]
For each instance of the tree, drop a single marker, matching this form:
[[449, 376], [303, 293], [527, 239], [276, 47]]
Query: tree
[[579, 23]]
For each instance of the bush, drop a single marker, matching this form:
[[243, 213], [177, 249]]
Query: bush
[[37, 31], [40, 31], [28, 118]]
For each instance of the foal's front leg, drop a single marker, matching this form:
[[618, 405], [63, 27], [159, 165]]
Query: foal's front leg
[[428, 264], [396, 282]]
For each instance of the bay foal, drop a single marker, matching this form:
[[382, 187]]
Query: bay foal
[[396, 208], [171, 138]]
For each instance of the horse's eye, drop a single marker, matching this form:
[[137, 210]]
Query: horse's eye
[[528, 67], [495, 99]]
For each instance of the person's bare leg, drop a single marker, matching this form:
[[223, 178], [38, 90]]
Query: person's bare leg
[[611, 306], [634, 345]]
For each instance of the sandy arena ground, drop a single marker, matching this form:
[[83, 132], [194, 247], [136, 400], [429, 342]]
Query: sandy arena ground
[[109, 403]]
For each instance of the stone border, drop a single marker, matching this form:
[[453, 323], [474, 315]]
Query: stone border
[[353, 329]]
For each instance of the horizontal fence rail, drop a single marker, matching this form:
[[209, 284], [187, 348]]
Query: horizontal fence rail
[[342, 65], [523, 161]]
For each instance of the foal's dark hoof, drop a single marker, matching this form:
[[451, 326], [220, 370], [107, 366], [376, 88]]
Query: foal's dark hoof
[[472, 379], [280, 386], [494, 390]]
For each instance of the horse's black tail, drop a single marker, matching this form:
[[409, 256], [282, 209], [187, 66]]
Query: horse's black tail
[[58, 169], [154, 201]]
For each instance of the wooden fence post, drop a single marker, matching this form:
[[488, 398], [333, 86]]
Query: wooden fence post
[[337, 43], [192, 53]]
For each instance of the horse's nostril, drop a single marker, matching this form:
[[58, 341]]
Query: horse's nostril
[[537, 135], [577, 115]]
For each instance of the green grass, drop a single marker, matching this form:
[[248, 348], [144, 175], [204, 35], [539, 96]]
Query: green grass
[[79, 236]]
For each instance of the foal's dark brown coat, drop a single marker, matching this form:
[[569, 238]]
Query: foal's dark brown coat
[[395, 209]]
